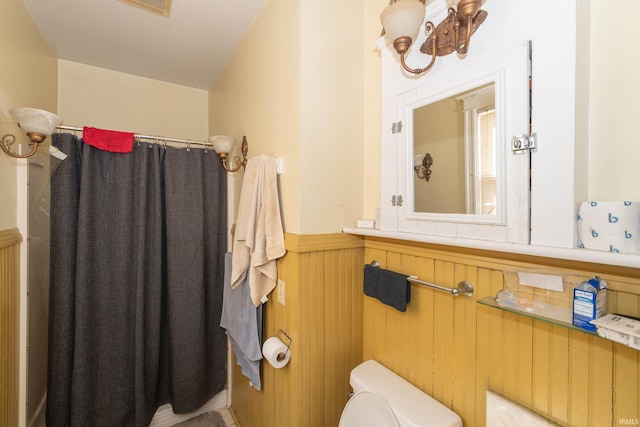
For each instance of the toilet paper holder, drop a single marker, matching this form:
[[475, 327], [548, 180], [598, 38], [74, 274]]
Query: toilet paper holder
[[281, 356]]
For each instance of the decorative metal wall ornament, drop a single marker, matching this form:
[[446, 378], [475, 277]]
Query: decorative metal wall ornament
[[400, 22], [450, 34], [423, 171]]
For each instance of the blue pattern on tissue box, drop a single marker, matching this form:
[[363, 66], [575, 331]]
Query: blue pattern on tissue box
[[609, 226]]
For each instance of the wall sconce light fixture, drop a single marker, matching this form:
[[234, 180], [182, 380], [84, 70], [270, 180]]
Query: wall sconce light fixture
[[223, 145], [402, 19], [422, 166], [37, 124]]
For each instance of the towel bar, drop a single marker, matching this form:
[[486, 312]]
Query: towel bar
[[464, 288]]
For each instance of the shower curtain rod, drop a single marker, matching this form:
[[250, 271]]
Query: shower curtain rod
[[152, 138]]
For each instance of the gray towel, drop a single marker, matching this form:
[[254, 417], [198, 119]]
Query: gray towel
[[389, 287], [243, 322]]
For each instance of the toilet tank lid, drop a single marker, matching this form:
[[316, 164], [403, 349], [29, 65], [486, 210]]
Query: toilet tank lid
[[411, 406]]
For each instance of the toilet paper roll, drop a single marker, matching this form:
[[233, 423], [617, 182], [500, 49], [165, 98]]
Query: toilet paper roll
[[276, 352]]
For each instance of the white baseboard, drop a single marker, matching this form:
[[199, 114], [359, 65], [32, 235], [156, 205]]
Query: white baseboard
[[164, 416]]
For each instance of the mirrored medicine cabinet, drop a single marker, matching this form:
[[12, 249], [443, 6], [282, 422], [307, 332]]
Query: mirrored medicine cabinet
[[455, 175], [537, 196]]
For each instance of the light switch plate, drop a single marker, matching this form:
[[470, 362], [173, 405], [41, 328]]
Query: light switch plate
[[281, 297]]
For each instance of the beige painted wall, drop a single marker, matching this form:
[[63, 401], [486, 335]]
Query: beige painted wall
[[92, 96], [258, 95], [297, 92], [28, 79], [372, 106], [614, 103], [332, 114]]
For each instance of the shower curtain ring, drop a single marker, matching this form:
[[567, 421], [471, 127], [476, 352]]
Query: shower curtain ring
[[188, 145], [164, 144]]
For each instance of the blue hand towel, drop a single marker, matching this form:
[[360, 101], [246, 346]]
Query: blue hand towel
[[243, 322], [389, 287]]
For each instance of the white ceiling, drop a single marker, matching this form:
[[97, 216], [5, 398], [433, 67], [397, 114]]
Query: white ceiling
[[189, 48]]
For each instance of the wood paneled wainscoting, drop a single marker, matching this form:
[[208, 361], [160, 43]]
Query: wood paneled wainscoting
[[323, 316], [455, 349], [9, 325], [452, 348]]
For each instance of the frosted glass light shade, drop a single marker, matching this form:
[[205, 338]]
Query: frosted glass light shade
[[403, 18], [32, 120], [222, 143], [417, 159]]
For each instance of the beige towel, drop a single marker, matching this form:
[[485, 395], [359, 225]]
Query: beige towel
[[259, 239]]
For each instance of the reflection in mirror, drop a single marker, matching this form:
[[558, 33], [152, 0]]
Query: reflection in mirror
[[454, 150]]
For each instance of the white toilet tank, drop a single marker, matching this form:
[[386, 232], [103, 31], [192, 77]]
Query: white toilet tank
[[410, 405]]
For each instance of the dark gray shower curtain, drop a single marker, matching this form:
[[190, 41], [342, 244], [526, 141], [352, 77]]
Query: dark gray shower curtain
[[137, 268]]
